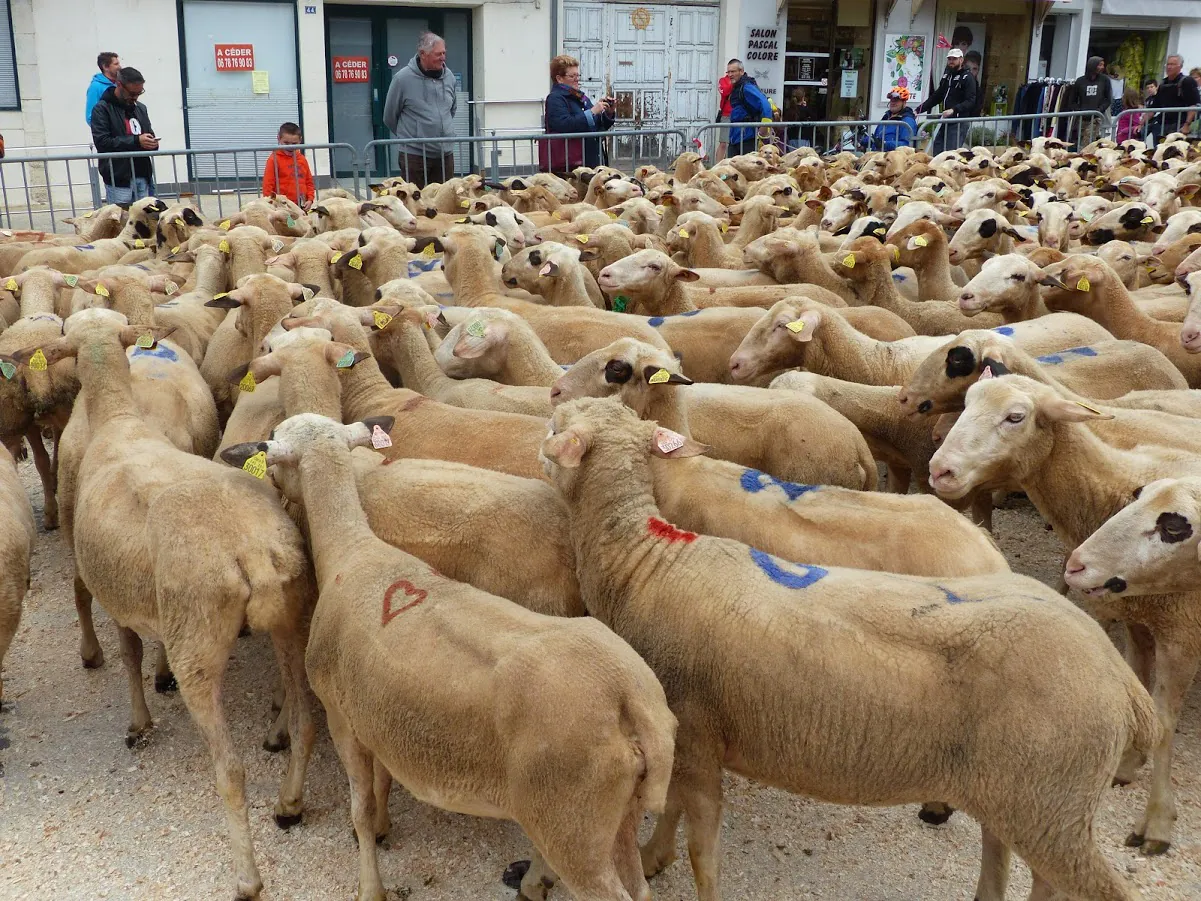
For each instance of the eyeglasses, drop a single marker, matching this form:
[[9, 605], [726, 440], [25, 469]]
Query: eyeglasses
[[572, 77]]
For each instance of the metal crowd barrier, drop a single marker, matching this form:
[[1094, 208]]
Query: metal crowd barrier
[[38, 192], [1160, 122], [828, 136], [998, 131], [500, 156]]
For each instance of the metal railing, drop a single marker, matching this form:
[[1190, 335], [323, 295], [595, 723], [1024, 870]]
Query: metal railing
[[995, 131], [828, 136], [37, 192], [1159, 122], [500, 156]]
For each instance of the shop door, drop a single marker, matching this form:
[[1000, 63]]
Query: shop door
[[385, 40], [658, 61]]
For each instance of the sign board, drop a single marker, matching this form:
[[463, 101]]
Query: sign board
[[763, 58], [352, 68], [234, 57], [849, 86]]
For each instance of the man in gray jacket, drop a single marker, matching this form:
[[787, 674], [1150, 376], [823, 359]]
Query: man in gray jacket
[[421, 104]]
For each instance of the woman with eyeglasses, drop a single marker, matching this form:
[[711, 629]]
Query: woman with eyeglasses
[[569, 111]]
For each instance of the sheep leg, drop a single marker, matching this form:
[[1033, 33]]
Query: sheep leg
[[1175, 667], [10, 618], [1140, 654], [359, 763], [626, 857], [289, 645], [277, 736], [48, 473], [383, 788], [994, 868], [1071, 866], [982, 507], [131, 656], [538, 880], [164, 681], [660, 852], [200, 687], [89, 645], [700, 791]]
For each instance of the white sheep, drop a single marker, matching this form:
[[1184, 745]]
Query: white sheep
[[17, 535]]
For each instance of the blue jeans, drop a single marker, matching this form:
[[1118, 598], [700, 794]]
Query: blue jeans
[[141, 187]]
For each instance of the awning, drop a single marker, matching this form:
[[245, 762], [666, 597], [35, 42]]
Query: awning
[[1168, 9]]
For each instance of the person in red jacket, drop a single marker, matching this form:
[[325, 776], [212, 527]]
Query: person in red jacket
[[287, 171], [724, 87]]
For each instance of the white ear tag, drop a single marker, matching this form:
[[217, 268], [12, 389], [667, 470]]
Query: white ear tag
[[379, 438], [669, 441]]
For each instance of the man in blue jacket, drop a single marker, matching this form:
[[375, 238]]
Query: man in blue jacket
[[747, 104], [109, 65], [899, 125]]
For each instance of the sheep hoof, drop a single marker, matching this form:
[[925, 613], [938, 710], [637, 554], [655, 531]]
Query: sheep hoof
[[1120, 781], [1153, 848], [165, 684], [935, 814], [94, 661], [1134, 840], [49, 523], [136, 741], [286, 821], [514, 873]]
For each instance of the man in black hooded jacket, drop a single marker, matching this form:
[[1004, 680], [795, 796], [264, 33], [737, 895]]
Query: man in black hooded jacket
[[1094, 91], [956, 94], [121, 123]]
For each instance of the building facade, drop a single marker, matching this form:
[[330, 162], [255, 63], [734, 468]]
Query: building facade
[[223, 73]]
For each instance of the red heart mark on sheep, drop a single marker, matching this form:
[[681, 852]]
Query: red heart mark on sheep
[[410, 591], [661, 529]]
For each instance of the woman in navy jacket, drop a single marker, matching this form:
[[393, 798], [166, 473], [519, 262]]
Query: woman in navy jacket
[[569, 111]]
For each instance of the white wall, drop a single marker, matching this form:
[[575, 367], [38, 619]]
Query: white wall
[[511, 43], [1188, 42], [736, 19]]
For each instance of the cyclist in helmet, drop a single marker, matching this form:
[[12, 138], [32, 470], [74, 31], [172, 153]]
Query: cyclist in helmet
[[888, 136]]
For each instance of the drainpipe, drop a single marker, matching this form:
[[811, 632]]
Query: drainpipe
[[554, 28]]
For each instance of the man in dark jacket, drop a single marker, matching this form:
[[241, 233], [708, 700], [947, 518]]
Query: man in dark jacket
[[1176, 89], [956, 94], [120, 123], [1094, 91]]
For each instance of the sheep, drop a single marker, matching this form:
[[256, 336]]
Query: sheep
[[170, 558], [176, 225], [306, 262], [1159, 191], [17, 535], [104, 222], [402, 340], [502, 346], [1088, 286], [984, 233], [1015, 427], [794, 257], [257, 304], [990, 194], [556, 273], [701, 240], [77, 259], [432, 430], [597, 450], [1127, 222], [1185, 222], [1087, 209], [922, 246], [583, 822], [392, 210], [795, 438], [335, 213], [867, 264]]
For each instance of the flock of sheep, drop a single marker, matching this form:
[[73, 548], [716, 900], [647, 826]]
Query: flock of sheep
[[692, 570]]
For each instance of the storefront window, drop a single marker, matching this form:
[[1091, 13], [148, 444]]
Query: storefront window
[[827, 61], [996, 46], [1130, 56]]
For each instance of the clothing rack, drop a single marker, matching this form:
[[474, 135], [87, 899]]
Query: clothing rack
[[1043, 95]]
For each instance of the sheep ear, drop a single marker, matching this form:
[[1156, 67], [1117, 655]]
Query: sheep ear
[[808, 323], [1060, 409], [131, 333], [657, 375], [223, 301], [687, 275], [1050, 281], [343, 356], [191, 217], [1014, 233], [567, 448], [420, 244], [238, 454], [369, 431], [587, 256], [550, 270], [673, 446]]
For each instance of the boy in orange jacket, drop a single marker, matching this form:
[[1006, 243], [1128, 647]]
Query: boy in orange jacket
[[287, 171]]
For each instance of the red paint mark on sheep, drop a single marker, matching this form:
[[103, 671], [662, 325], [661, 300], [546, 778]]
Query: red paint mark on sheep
[[410, 591], [661, 529]]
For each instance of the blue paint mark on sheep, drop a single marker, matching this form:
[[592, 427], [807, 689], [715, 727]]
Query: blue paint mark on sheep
[[1056, 359], [754, 481], [1004, 330], [898, 276], [417, 267], [790, 575], [159, 352], [952, 597], [656, 321], [84, 247]]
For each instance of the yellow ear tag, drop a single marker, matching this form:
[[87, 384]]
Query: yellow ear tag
[[71, 280], [1147, 220], [224, 226], [724, 227], [220, 295], [556, 215], [896, 253], [921, 241], [465, 204], [1090, 409], [381, 319], [223, 246], [612, 215], [659, 378], [583, 239], [796, 326], [176, 248], [89, 214], [38, 361], [849, 261], [11, 285], [171, 288], [355, 262], [256, 465], [248, 383], [1083, 284], [145, 342], [683, 233], [428, 252], [101, 291], [139, 243]]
